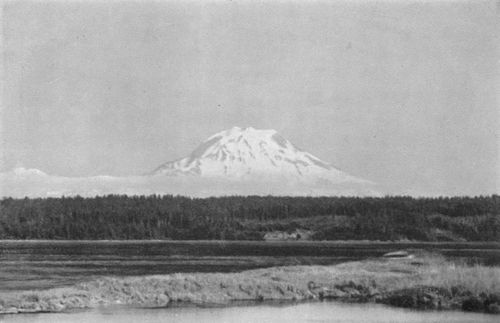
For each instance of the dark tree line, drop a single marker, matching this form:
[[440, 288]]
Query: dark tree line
[[249, 218]]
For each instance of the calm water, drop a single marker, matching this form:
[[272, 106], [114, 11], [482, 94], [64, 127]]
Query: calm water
[[44, 264], [304, 312]]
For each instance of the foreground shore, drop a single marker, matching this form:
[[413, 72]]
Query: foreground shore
[[423, 282]]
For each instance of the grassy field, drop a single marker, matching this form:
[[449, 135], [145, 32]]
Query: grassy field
[[425, 281]]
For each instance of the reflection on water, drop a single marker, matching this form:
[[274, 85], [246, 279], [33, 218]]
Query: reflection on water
[[304, 312]]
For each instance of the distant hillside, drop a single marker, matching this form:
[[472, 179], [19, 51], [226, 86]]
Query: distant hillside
[[252, 218]]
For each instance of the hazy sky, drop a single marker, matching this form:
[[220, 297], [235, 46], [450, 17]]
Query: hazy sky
[[400, 93]]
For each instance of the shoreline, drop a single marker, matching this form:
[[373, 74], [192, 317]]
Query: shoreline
[[426, 282], [403, 242]]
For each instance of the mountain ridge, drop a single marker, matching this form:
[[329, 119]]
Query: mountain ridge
[[249, 153], [237, 161]]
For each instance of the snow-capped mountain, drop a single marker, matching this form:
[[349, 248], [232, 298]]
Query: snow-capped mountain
[[232, 162], [250, 153], [27, 172]]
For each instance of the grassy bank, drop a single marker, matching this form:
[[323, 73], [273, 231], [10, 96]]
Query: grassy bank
[[426, 282]]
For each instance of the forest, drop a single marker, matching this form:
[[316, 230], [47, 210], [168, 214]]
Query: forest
[[391, 218]]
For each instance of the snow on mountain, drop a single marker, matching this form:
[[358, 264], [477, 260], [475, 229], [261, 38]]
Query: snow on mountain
[[232, 162], [21, 171], [252, 154]]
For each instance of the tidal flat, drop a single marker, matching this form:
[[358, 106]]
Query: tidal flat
[[425, 281]]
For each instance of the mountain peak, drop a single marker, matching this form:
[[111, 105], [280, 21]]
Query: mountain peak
[[247, 131], [249, 153], [21, 171], [236, 161]]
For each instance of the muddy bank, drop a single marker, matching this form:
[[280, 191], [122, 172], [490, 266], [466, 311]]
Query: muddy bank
[[425, 282]]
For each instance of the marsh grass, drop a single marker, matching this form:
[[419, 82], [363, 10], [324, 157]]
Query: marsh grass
[[476, 279], [372, 277]]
